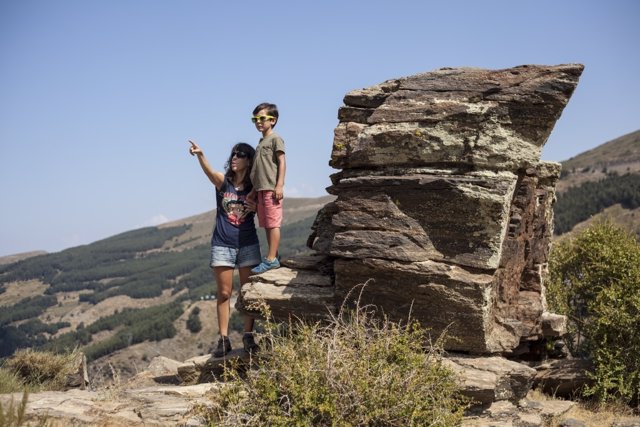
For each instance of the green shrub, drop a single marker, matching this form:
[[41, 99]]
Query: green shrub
[[595, 281], [354, 371], [193, 322]]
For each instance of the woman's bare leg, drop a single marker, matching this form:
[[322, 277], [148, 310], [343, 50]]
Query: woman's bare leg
[[224, 281]]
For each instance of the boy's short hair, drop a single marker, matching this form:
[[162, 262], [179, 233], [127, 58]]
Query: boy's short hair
[[272, 110]]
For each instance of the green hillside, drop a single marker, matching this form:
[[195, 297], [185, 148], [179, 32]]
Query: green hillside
[[580, 203], [597, 180], [621, 156], [168, 265]]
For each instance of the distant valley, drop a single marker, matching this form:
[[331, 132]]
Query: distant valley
[[103, 296]]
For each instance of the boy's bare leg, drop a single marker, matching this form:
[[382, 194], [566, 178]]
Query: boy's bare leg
[[273, 240]]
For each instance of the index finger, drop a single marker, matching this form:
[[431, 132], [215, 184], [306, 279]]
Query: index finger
[[193, 144]]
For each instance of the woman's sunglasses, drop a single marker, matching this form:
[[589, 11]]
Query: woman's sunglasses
[[240, 154], [260, 119]]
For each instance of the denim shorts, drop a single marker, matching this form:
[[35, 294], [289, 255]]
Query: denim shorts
[[247, 256]]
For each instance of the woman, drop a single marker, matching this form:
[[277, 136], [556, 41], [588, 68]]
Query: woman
[[234, 242]]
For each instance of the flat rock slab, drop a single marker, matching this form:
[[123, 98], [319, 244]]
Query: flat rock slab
[[526, 412], [288, 293], [150, 406], [491, 379]]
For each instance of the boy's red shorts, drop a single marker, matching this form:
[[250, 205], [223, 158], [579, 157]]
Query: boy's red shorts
[[269, 210]]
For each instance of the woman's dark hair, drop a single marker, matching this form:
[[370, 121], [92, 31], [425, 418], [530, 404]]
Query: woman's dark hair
[[241, 147], [272, 110]]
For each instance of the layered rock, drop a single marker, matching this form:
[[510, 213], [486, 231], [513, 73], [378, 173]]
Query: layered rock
[[443, 206], [491, 119]]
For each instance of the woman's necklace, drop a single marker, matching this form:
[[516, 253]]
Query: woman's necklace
[[238, 184]]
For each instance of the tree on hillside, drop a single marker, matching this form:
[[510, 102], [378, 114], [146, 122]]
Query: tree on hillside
[[193, 322]]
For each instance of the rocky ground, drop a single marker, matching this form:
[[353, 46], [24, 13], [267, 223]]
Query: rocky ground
[[172, 393]]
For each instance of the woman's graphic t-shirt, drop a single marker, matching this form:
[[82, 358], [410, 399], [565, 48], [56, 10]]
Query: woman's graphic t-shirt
[[234, 223]]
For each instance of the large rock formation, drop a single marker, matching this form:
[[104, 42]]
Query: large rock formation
[[443, 207]]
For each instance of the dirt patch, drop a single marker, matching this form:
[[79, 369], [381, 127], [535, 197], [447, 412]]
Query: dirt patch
[[17, 291], [71, 310]]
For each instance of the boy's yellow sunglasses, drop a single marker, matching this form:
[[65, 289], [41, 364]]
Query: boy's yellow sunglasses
[[260, 119]]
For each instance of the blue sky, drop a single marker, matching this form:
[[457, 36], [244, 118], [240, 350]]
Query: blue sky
[[98, 98]]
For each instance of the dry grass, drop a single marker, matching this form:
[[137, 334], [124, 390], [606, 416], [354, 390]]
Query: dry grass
[[597, 416], [37, 370], [10, 382], [590, 413]]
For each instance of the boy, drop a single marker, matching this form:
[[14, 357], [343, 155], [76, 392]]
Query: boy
[[267, 177]]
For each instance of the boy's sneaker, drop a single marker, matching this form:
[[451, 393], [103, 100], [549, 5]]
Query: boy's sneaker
[[266, 265], [224, 347], [249, 343]]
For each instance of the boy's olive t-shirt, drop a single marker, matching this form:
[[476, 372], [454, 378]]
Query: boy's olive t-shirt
[[264, 173]]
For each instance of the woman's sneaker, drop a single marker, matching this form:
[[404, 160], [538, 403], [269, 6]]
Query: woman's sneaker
[[224, 347], [249, 343], [266, 265]]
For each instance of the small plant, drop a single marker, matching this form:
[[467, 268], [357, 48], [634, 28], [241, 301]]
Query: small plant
[[356, 370], [14, 415], [10, 382]]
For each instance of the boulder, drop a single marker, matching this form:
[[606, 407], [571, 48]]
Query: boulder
[[563, 377], [443, 208], [79, 377], [491, 379], [487, 119]]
